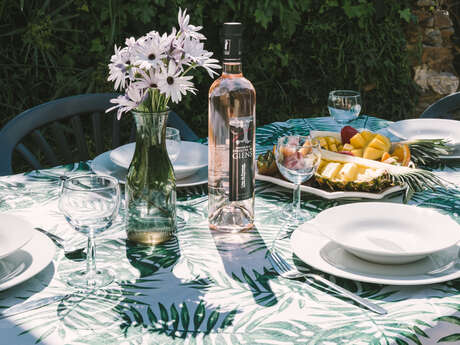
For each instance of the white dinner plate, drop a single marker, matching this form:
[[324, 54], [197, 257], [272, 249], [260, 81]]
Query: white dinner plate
[[429, 129], [192, 157], [331, 195], [322, 254], [388, 233], [26, 262], [103, 165], [15, 232]]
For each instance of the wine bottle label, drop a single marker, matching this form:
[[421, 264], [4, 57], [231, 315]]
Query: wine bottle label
[[241, 158]]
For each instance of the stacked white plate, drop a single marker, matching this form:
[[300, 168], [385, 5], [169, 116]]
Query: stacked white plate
[[24, 252], [414, 129], [190, 167], [377, 242]]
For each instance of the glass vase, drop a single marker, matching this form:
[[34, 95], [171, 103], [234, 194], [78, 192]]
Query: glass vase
[[150, 183]]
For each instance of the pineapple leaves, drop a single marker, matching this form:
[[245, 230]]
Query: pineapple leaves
[[416, 180], [427, 152]]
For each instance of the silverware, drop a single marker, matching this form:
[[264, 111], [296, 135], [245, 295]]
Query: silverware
[[285, 270], [30, 305], [74, 253]]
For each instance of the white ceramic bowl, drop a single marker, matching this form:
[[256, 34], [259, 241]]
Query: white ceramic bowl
[[192, 157], [388, 233]]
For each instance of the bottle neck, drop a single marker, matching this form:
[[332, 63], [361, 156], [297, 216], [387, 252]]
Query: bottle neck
[[232, 67]]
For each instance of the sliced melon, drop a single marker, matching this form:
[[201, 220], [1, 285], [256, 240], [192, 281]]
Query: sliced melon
[[378, 144], [357, 141], [357, 152], [372, 153], [367, 135], [386, 140]]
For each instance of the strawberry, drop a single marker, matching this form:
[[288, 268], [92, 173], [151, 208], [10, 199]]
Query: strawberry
[[347, 133]]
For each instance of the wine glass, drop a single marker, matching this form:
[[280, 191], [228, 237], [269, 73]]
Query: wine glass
[[90, 204], [172, 143], [344, 105], [297, 158]]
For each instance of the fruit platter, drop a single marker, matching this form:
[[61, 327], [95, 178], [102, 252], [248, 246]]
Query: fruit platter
[[363, 164]]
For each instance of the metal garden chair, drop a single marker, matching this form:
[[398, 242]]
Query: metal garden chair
[[69, 129]]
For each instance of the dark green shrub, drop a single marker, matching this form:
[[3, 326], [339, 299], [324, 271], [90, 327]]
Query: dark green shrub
[[295, 51]]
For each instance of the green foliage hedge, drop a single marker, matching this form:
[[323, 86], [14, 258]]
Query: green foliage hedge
[[295, 51]]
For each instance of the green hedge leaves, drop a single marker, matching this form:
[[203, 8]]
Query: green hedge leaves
[[295, 51]]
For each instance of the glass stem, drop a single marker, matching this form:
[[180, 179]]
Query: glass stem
[[296, 200], [91, 260]]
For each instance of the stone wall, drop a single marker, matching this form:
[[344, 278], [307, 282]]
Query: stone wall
[[432, 53]]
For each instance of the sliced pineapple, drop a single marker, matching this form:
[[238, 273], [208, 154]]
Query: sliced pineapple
[[348, 147], [348, 172], [330, 170], [331, 140], [321, 165], [323, 142], [329, 143], [350, 176]]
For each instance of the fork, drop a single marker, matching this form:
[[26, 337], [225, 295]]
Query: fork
[[73, 254], [285, 270]]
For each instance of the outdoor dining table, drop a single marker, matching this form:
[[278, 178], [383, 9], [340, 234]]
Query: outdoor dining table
[[204, 287]]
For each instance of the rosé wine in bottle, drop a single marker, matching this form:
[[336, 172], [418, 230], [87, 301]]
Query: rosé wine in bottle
[[231, 140]]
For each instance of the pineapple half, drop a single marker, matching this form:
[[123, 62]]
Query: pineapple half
[[344, 172], [334, 175]]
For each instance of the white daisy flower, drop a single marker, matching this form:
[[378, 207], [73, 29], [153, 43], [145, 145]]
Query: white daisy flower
[[187, 29], [127, 102], [209, 64], [173, 85], [193, 49], [120, 67], [150, 52], [130, 42], [148, 80]]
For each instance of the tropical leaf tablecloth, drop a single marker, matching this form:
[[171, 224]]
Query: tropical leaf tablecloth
[[208, 288]]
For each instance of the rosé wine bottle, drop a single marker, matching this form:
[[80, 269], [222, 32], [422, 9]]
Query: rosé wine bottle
[[231, 140]]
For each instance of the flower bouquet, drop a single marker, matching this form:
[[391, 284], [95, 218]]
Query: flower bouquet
[[153, 70]]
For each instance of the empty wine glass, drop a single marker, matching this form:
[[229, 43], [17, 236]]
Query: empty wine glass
[[173, 143], [90, 204], [344, 105], [297, 158]]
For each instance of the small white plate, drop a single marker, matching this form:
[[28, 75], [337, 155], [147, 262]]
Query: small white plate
[[322, 254], [103, 165], [14, 233], [331, 195], [429, 129], [192, 157], [388, 233], [26, 262]]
